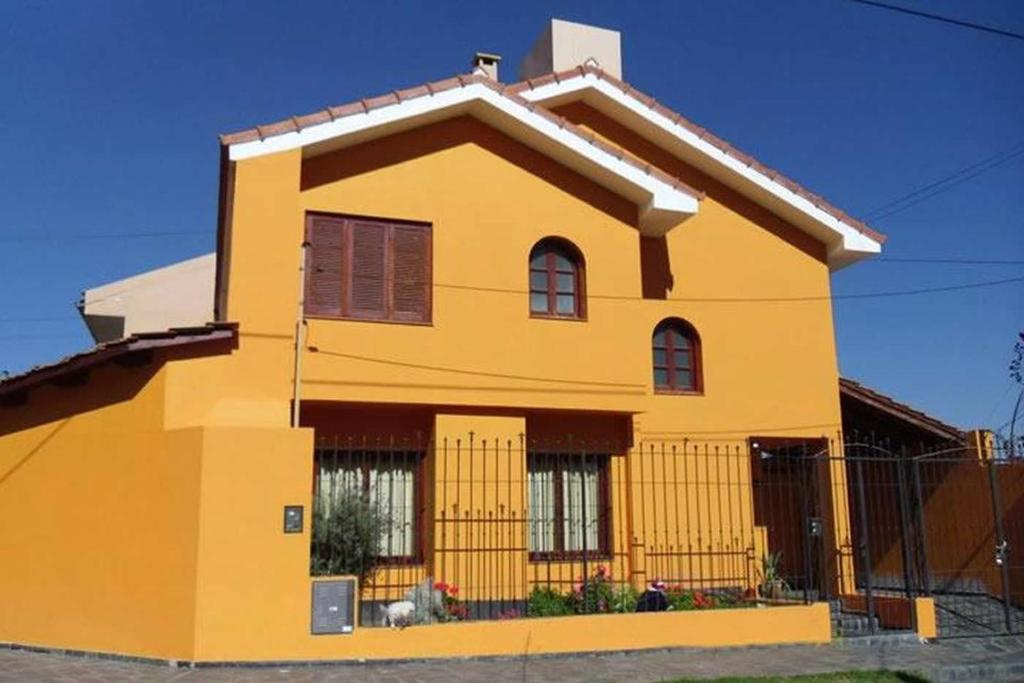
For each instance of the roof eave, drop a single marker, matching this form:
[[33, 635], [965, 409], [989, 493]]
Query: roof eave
[[663, 201], [847, 240], [890, 406], [104, 353]]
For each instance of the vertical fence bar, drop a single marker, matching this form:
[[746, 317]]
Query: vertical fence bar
[[1000, 538], [805, 471], [922, 532], [905, 528], [585, 530], [865, 545]]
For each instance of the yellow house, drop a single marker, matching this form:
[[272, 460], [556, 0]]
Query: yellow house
[[547, 328]]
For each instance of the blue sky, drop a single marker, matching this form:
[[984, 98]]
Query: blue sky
[[110, 112]]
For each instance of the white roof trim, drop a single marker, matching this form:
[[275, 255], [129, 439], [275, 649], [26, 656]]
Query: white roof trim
[[661, 205], [846, 244]]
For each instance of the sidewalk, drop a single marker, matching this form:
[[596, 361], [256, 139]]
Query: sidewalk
[[952, 660]]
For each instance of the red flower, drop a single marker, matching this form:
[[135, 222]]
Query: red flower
[[453, 590], [441, 586]]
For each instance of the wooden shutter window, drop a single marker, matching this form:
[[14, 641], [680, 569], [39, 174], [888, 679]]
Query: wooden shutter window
[[410, 281], [368, 270], [324, 259]]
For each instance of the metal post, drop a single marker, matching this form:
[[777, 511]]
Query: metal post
[[300, 335], [1001, 545], [583, 524], [865, 547], [805, 467], [905, 532], [922, 533]]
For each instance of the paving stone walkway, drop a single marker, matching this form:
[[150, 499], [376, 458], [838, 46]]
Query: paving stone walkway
[[953, 660]]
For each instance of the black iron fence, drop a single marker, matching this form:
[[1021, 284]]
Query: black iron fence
[[944, 522], [491, 529]]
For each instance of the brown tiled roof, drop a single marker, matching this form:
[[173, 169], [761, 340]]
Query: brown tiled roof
[[142, 341], [297, 123], [877, 400], [704, 134]]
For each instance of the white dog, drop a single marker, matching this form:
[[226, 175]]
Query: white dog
[[398, 614]]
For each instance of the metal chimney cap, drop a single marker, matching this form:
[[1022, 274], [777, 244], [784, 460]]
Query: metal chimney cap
[[486, 64], [485, 58]]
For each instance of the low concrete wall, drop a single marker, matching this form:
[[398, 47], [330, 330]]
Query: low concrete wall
[[519, 637], [894, 612]]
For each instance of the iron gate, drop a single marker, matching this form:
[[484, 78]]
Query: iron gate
[[946, 524]]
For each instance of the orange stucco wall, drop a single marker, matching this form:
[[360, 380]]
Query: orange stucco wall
[[101, 517], [176, 549]]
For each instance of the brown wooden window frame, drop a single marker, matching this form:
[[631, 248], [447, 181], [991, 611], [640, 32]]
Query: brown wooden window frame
[[347, 307], [367, 459], [552, 248], [603, 551], [672, 327]]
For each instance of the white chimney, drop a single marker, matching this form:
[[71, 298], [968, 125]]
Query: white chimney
[[486, 64], [565, 45]]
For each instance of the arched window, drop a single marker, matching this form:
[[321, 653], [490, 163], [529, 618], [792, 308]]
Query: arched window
[[556, 280], [676, 349]]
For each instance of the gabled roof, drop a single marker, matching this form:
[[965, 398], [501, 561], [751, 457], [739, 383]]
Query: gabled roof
[[115, 350], [848, 239], [879, 401], [663, 201]]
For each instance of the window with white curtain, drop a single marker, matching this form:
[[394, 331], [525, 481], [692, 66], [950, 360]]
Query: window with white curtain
[[387, 480], [567, 504]]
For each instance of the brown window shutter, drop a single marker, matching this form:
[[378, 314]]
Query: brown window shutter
[[368, 267], [324, 259], [410, 273]]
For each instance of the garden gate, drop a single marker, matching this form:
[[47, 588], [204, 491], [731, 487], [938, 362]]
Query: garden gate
[[946, 524]]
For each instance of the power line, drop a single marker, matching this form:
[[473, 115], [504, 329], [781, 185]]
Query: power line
[[19, 337], [41, 319], [945, 20], [988, 163], [475, 373], [102, 236], [951, 261], [728, 300], [941, 186], [782, 299]]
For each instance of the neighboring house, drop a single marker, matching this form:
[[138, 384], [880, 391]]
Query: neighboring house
[[178, 295], [545, 326]]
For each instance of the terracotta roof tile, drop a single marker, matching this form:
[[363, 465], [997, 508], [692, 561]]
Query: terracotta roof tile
[[410, 93], [241, 136], [346, 110], [859, 392], [278, 128], [322, 116], [178, 336]]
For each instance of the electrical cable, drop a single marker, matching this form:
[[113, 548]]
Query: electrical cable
[[937, 17]]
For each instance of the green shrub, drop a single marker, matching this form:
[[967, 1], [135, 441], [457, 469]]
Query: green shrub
[[547, 602], [595, 594], [347, 536], [679, 599], [624, 599]]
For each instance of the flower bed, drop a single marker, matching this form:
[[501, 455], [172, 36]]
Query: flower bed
[[599, 594]]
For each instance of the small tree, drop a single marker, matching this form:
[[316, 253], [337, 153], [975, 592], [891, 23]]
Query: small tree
[[347, 536], [1017, 375]]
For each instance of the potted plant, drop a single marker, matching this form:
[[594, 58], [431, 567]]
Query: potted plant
[[772, 585]]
